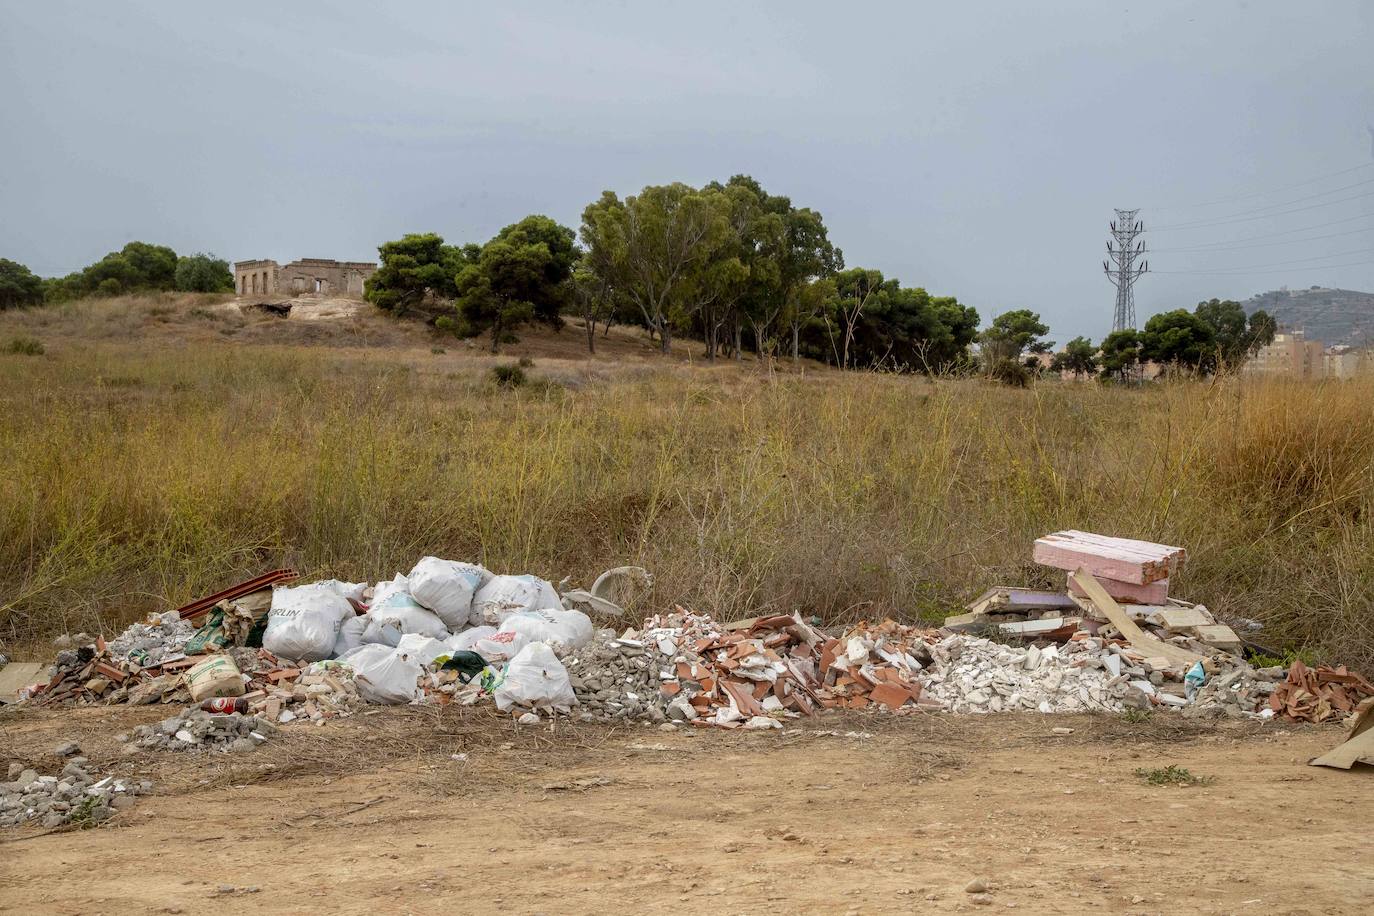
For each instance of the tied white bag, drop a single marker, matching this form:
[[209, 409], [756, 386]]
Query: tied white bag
[[350, 635], [446, 587], [535, 677], [505, 595], [303, 622], [392, 602], [424, 649], [464, 641], [563, 631], [384, 675]]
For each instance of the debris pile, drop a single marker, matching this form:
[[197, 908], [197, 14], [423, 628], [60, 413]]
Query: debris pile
[[163, 636], [973, 675], [1117, 601], [1316, 695], [454, 632], [197, 729], [74, 796]]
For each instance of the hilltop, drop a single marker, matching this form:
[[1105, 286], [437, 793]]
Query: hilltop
[[1333, 316]]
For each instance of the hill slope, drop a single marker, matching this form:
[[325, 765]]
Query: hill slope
[[1333, 316]]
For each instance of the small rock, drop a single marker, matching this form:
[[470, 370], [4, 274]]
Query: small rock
[[1061, 730], [62, 642], [242, 745], [981, 899], [69, 749], [976, 886], [529, 718]]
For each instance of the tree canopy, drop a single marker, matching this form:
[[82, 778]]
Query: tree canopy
[[1013, 333], [19, 286], [203, 273], [1180, 339], [520, 275], [415, 268], [1237, 337], [1079, 356], [137, 267], [1120, 354]]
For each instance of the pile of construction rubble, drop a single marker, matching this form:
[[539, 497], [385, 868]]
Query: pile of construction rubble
[[268, 652], [74, 796], [197, 729]]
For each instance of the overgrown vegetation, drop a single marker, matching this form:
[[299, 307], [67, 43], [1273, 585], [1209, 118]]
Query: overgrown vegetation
[[141, 477], [24, 346], [140, 267]]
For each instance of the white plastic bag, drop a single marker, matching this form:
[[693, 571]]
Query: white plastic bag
[[424, 649], [446, 587], [505, 595], [304, 621], [497, 648], [563, 631], [383, 674], [392, 601], [464, 641], [350, 635], [535, 677]]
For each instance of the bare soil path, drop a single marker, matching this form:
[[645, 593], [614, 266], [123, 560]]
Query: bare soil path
[[850, 814]]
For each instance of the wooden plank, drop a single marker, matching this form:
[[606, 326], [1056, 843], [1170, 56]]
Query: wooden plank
[[1122, 559], [17, 675], [1153, 593], [1147, 645], [1038, 627], [1019, 599], [1219, 635], [1181, 618]]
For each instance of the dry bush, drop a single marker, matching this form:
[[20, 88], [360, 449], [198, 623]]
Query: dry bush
[[141, 477]]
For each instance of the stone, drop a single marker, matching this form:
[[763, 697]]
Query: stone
[[981, 899], [15, 769], [68, 749], [976, 886], [242, 745]]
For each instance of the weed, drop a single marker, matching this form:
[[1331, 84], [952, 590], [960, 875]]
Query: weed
[[1136, 716], [847, 496], [525, 362], [1172, 775], [24, 346], [508, 376], [437, 351], [1306, 654], [82, 814]]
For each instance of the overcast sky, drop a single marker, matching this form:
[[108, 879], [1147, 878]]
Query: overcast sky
[[975, 149]]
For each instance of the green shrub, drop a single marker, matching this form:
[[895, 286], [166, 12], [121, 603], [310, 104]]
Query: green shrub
[[25, 346], [508, 376]]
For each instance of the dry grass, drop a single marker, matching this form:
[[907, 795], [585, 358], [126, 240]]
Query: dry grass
[[140, 476]]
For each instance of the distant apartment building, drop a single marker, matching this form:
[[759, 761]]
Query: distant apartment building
[[1344, 362], [1291, 355]]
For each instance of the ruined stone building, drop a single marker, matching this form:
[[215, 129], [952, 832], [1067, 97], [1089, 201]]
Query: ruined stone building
[[306, 277]]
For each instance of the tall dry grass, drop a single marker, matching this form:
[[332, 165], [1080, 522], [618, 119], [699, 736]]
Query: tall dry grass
[[131, 480]]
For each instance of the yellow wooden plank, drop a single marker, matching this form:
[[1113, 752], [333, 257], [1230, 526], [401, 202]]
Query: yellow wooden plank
[[1148, 645]]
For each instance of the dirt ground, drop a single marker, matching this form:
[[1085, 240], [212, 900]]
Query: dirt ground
[[850, 813]]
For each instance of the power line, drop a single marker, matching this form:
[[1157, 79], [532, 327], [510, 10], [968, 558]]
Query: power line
[[1320, 257], [1287, 187], [1244, 215], [1232, 272], [1233, 246]]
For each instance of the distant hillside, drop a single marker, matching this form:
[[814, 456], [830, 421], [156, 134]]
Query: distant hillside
[[1333, 316]]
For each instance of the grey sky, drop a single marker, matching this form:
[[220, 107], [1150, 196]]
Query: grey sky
[[975, 149]]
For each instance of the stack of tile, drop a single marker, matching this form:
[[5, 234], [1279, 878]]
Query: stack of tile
[[1166, 633]]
